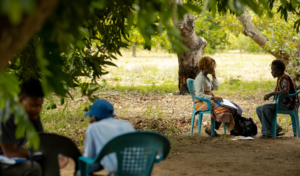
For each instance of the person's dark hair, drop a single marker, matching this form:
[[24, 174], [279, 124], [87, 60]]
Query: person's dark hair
[[31, 87], [279, 64]]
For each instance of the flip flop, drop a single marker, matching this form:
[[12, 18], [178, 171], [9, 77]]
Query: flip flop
[[265, 137], [280, 134], [209, 132]]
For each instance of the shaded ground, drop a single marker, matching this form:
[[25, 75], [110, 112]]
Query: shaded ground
[[200, 154], [206, 156]]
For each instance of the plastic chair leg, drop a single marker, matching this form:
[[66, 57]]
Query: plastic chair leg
[[224, 126], [294, 124], [212, 128], [274, 125], [192, 125], [297, 124], [199, 123]]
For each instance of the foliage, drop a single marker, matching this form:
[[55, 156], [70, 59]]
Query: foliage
[[135, 37], [157, 41], [243, 43], [210, 28], [80, 38], [283, 38]]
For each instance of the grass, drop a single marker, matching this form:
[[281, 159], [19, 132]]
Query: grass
[[160, 89], [67, 121]]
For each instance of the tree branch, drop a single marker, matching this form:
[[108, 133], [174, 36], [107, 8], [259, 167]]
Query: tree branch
[[13, 38], [255, 34]]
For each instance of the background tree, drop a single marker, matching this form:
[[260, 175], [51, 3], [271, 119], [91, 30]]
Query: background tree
[[135, 38]]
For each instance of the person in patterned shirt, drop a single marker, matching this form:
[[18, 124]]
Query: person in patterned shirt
[[285, 85]]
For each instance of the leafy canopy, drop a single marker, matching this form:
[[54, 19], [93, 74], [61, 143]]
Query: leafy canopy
[[77, 41]]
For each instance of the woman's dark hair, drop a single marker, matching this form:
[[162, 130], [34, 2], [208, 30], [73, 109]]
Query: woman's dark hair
[[30, 88], [279, 64]]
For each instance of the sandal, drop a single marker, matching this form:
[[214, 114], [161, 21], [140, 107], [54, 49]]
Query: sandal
[[280, 134], [209, 132], [265, 136]]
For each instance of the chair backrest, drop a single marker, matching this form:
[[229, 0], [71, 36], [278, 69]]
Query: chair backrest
[[136, 152], [51, 145], [298, 89], [190, 85]]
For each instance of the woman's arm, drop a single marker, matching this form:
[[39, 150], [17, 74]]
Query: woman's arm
[[215, 81], [200, 82]]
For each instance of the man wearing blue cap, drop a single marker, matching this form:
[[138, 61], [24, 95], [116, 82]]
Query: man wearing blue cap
[[102, 129]]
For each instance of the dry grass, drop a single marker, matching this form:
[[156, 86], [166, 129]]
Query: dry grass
[[160, 67]]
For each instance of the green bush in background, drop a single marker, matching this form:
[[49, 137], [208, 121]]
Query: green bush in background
[[243, 43]]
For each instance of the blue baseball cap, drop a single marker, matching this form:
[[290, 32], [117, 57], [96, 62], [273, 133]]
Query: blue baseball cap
[[101, 109]]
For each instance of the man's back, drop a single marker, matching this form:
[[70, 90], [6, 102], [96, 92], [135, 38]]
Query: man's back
[[99, 133]]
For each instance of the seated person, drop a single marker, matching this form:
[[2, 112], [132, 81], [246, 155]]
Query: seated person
[[31, 97], [203, 87], [103, 128], [285, 85]]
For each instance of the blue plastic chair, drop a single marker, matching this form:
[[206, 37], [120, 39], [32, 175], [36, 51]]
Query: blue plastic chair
[[190, 85], [294, 115], [136, 153]]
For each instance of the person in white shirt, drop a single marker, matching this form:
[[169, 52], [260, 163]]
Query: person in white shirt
[[102, 129], [203, 89]]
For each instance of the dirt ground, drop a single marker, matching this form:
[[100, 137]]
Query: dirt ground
[[200, 154], [223, 156]]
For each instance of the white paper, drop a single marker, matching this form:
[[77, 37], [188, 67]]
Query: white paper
[[5, 160], [272, 102], [227, 103], [10, 161], [242, 138]]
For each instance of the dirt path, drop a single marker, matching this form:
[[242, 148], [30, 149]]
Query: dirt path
[[200, 154], [208, 156]]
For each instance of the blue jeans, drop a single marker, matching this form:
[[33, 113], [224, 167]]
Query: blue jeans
[[265, 114]]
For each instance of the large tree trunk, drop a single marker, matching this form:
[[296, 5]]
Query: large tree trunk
[[188, 61], [14, 37], [251, 31]]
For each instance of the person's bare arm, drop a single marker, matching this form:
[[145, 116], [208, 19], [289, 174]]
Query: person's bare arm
[[267, 96], [11, 151]]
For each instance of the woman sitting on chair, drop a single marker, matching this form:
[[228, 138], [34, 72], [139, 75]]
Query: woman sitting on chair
[[203, 87]]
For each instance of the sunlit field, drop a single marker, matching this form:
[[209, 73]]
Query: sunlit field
[[160, 68]]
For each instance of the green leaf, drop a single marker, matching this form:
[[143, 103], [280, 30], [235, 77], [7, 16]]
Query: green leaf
[[193, 7], [100, 4], [15, 11], [91, 91]]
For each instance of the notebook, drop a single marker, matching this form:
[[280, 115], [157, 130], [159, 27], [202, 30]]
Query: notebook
[[226, 103]]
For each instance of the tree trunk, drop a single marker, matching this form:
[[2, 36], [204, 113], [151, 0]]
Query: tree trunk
[[251, 31], [14, 37], [134, 49], [188, 61]]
